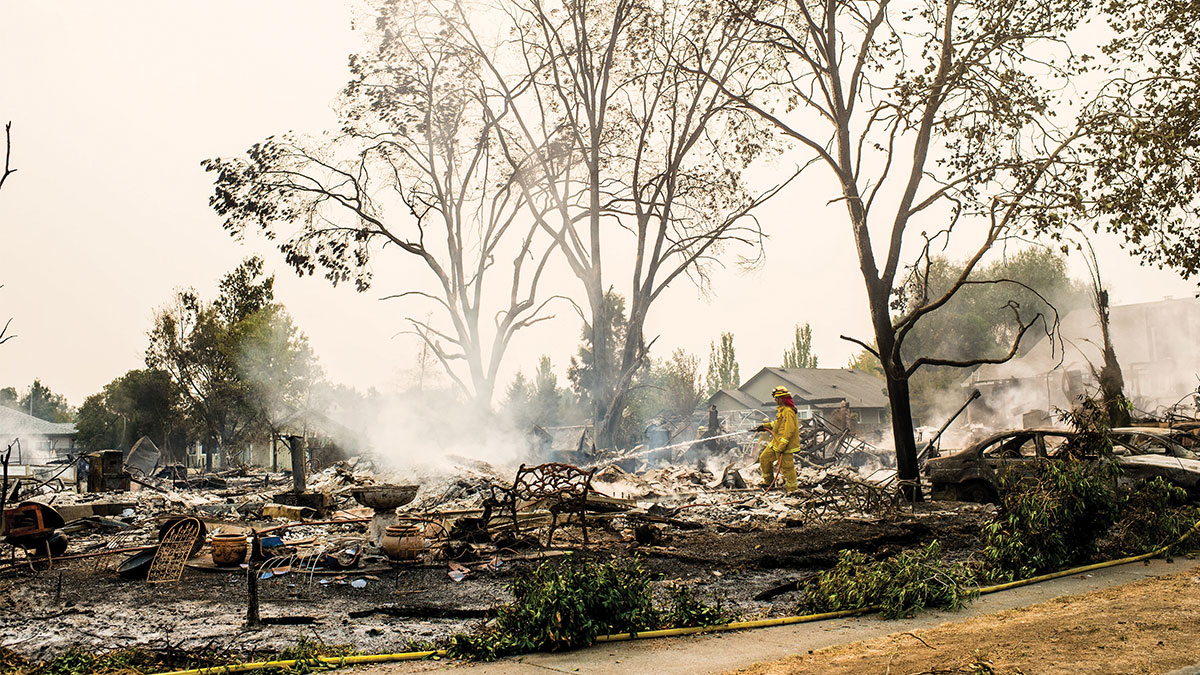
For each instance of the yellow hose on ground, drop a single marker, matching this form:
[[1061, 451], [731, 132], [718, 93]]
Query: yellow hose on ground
[[339, 661], [336, 661]]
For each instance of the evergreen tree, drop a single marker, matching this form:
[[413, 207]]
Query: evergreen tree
[[547, 395], [722, 366], [800, 354], [592, 379], [681, 383]]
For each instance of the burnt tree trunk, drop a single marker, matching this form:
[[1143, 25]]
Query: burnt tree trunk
[[900, 406], [1112, 382]]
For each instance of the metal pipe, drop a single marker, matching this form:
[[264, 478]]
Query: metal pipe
[[296, 443]]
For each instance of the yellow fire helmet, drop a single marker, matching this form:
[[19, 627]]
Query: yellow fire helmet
[[780, 391]]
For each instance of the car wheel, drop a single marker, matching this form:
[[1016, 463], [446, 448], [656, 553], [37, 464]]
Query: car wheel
[[977, 491]]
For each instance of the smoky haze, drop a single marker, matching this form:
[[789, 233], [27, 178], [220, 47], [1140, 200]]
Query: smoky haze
[[124, 129]]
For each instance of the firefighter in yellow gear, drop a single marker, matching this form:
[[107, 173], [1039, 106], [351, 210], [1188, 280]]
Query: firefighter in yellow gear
[[785, 440]]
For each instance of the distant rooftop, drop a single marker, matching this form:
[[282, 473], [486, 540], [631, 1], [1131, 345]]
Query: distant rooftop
[[859, 388], [14, 424]]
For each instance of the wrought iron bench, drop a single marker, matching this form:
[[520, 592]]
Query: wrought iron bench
[[562, 488]]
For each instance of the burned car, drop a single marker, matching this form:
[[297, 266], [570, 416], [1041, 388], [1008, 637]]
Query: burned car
[[1149, 452], [973, 474]]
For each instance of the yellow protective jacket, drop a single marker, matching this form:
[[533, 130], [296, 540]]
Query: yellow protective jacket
[[785, 430]]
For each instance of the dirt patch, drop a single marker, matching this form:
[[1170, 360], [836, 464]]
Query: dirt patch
[[1151, 626]]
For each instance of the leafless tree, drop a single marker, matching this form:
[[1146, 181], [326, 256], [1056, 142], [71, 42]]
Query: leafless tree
[[413, 169], [620, 148], [925, 112]]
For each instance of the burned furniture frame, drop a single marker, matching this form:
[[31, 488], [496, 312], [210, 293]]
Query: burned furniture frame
[[563, 488]]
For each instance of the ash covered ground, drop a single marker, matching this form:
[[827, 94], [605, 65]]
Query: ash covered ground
[[742, 546]]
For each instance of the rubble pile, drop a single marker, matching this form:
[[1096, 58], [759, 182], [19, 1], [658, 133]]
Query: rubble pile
[[823, 493], [247, 557]]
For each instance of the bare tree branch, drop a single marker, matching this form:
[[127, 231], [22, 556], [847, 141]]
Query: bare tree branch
[[8, 170], [871, 350]]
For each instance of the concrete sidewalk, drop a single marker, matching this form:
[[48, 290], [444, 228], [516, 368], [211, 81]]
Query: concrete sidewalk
[[720, 652]]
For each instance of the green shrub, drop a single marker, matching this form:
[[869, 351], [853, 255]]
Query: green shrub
[[900, 586], [1050, 519], [564, 605]]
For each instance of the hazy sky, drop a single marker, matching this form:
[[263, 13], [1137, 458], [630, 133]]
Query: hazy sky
[[115, 104]]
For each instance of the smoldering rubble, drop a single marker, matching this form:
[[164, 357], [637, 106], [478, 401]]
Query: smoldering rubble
[[246, 559]]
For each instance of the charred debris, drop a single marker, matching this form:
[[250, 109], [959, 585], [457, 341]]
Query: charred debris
[[137, 551]]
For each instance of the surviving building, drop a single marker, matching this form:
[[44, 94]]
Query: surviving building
[[829, 392], [34, 440]]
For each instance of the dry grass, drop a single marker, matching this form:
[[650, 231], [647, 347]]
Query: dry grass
[[1150, 626]]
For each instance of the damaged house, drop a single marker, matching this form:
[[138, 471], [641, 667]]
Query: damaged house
[[1156, 345]]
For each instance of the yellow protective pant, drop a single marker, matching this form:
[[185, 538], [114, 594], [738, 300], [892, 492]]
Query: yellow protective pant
[[787, 466]]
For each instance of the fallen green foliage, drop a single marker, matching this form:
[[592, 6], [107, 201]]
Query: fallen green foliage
[[564, 605], [1154, 513], [1068, 511], [78, 661], [900, 586], [141, 661], [1048, 520], [569, 603], [308, 653]]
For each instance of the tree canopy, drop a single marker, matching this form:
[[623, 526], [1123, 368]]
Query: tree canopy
[[412, 176], [136, 404], [238, 362], [800, 354], [944, 114], [38, 401], [1143, 177]]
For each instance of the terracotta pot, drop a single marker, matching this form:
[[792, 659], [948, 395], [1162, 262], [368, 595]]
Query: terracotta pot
[[402, 542], [228, 549]]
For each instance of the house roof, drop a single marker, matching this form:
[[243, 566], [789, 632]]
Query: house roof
[[859, 389], [14, 423], [743, 399]]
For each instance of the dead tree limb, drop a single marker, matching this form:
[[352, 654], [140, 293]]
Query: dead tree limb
[[8, 170]]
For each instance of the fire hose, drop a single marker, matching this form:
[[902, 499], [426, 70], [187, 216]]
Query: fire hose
[[339, 661], [647, 451]]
